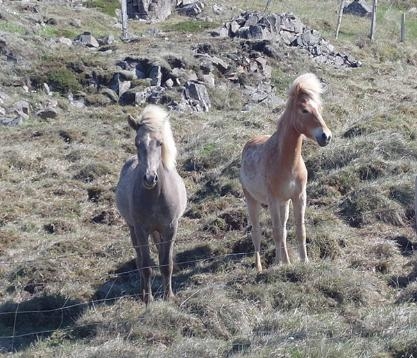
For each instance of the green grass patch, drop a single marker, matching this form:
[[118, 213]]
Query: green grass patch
[[280, 80], [63, 80], [7, 26], [53, 31], [190, 26], [106, 6]]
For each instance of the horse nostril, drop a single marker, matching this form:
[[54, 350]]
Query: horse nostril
[[150, 180], [326, 137]]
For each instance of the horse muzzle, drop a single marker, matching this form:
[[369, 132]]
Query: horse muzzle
[[323, 139], [150, 181]]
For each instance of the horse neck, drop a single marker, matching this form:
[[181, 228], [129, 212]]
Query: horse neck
[[287, 141]]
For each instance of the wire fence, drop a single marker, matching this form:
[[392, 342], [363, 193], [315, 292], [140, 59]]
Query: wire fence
[[19, 311]]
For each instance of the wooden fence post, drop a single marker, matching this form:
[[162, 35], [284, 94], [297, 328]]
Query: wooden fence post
[[415, 203], [339, 17], [125, 36], [402, 36], [267, 5], [373, 20]]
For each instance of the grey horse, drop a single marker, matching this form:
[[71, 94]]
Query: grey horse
[[151, 196]]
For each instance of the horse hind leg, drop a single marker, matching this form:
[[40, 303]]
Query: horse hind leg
[[253, 212]]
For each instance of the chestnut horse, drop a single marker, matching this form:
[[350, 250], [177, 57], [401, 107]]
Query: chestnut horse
[[273, 171], [151, 196]]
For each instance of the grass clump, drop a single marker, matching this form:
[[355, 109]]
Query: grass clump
[[108, 7], [63, 80], [310, 288], [91, 172], [190, 26], [11, 27], [368, 205]]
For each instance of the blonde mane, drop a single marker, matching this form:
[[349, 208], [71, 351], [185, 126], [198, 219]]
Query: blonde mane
[[155, 120], [309, 85]]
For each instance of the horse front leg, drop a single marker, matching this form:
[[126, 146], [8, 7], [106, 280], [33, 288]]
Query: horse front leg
[[279, 215], [143, 262], [166, 263], [299, 205], [253, 213]]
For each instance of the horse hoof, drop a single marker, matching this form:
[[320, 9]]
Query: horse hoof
[[169, 297], [147, 298]]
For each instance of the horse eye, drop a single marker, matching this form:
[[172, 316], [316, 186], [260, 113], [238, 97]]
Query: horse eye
[[304, 110], [159, 143]]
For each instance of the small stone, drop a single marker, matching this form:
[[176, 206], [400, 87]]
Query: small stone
[[47, 113], [169, 83]]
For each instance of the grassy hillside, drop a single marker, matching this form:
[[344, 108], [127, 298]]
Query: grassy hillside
[[68, 281]]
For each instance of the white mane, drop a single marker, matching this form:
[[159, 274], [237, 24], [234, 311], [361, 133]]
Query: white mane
[[155, 119], [309, 84]]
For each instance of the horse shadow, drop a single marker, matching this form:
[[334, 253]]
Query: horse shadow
[[407, 248], [24, 323], [126, 279]]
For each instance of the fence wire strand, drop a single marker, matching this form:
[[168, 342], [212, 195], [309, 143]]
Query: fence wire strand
[[114, 276]]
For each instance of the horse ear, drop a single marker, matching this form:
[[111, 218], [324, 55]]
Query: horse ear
[[298, 90], [132, 122]]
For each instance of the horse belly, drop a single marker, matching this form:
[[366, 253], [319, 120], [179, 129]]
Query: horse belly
[[124, 187], [252, 176]]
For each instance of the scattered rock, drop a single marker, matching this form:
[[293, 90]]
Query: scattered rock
[[119, 85], [64, 41], [193, 8], [197, 96], [86, 39], [51, 21], [155, 75], [77, 101], [47, 113], [358, 8], [183, 75], [75, 22], [155, 10], [3, 96], [217, 9], [110, 94], [22, 108], [46, 89], [11, 122], [107, 40], [208, 80]]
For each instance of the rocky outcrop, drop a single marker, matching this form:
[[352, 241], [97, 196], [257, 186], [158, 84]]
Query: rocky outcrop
[[286, 29], [190, 8], [152, 10]]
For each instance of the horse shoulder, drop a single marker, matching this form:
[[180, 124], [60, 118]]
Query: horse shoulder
[[124, 186], [175, 191]]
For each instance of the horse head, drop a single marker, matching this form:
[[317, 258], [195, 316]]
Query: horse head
[[306, 109], [149, 150]]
